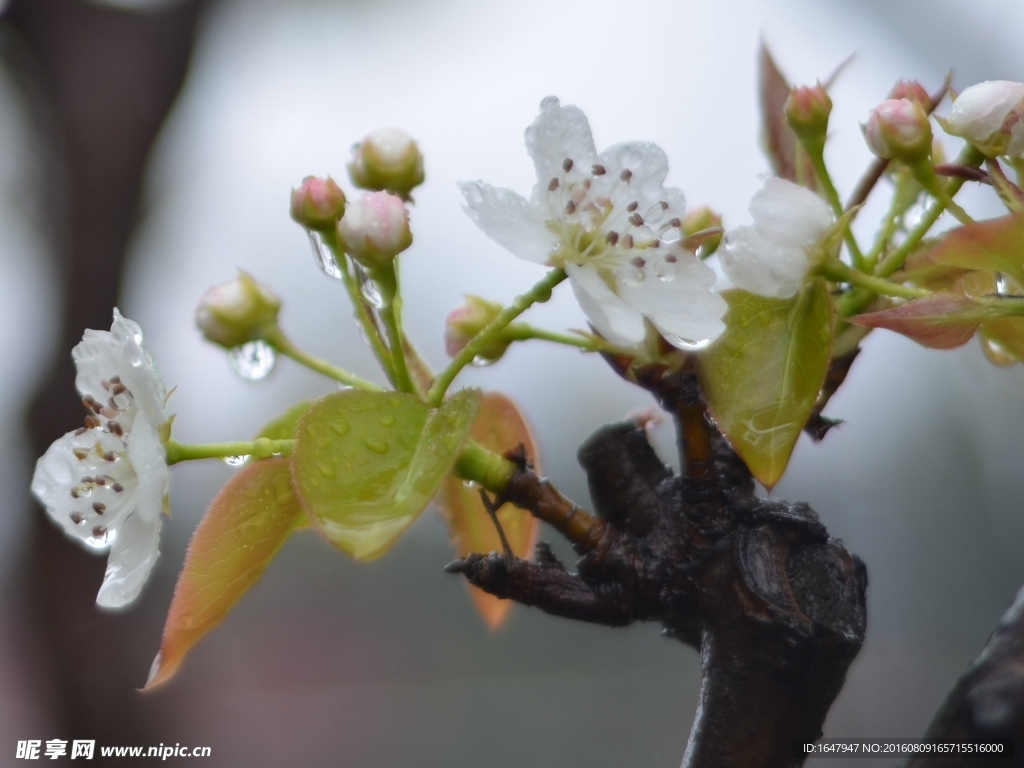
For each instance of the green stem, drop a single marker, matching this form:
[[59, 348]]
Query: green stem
[[839, 272], [525, 332], [386, 280], [540, 292], [363, 316], [260, 448], [483, 467], [817, 155], [283, 344]]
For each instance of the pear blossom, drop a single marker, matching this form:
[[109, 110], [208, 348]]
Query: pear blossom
[[772, 256], [106, 483], [989, 115], [608, 220]]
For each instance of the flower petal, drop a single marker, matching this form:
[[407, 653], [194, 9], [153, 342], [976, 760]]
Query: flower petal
[[132, 556], [683, 306], [760, 265], [789, 214], [149, 459], [613, 318], [559, 134], [636, 170], [980, 110], [510, 220]]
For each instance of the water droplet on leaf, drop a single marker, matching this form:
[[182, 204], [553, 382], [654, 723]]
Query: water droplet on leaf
[[340, 427], [377, 446], [387, 419]]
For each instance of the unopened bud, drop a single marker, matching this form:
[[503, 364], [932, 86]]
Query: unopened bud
[[807, 110], [899, 129], [465, 322], [318, 203], [988, 115], [911, 90], [389, 160], [698, 220], [375, 229], [238, 311]]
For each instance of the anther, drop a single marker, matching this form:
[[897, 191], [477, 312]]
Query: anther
[[115, 379], [636, 220], [105, 384], [109, 456], [118, 389], [99, 532], [570, 207], [627, 242], [638, 262], [117, 487], [598, 170], [116, 428], [671, 259], [664, 205], [612, 237], [91, 422], [87, 480], [74, 493], [676, 222], [100, 480], [77, 518], [567, 165], [632, 206], [626, 175], [80, 431], [98, 508], [109, 413], [553, 184], [80, 453]]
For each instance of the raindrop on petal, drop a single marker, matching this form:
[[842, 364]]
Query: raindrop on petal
[[254, 360]]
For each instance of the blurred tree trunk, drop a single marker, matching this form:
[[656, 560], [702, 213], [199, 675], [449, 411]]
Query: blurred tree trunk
[[100, 82]]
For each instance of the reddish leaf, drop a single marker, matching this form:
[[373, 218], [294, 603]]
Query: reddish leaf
[[995, 244], [942, 321], [785, 155], [246, 524], [498, 427]]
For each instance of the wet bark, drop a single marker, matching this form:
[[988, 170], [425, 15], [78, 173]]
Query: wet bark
[[775, 606]]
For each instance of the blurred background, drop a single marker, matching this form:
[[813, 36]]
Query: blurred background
[[147, 150]]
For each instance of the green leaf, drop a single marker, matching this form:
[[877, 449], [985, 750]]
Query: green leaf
[[284, 426], [366, 464], [940, 321], [995, 244], [762, 376], [499, 427], [246, 524]]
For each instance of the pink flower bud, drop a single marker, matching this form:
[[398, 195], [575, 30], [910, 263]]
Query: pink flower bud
[[807, 110], [387, 159], [237, 311], [989, 116], [911, 90], [318, 203], [465, 322], [899, 129], [375, 229]]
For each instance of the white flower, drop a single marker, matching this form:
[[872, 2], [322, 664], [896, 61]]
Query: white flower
[[989, 115], [106, 482], [611, 224], [771, 258]]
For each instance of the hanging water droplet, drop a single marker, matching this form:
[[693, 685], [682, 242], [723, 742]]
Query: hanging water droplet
[[235, 461], [482, 362], [368, 288], [1003, 284], [323, 257], [687, 344], [996, 354], [253, 360], [469, 484]]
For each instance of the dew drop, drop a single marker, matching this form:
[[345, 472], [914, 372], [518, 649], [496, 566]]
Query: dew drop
[[311, 430], [254, 360], [387, 419], [631, 276], [469, 484], [368, 288], [340, 427], [996, 354], [482, 362], [188, 619], [687, 344], [327, 470], [323, 257], [377, 446], [235, 461]]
